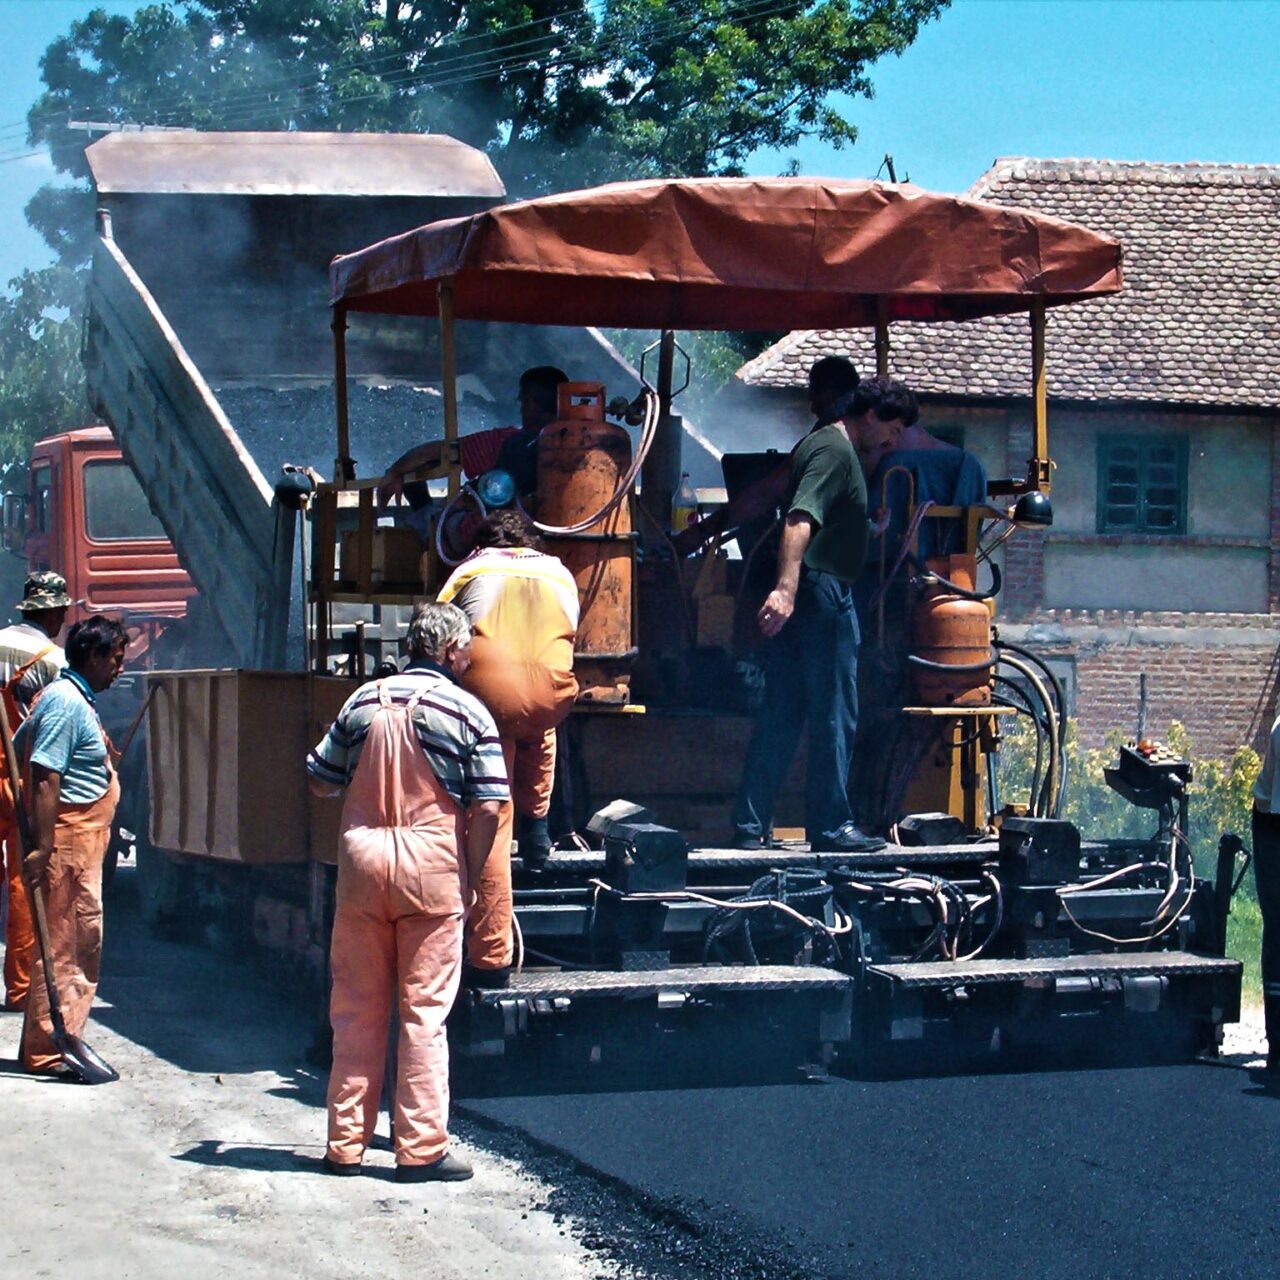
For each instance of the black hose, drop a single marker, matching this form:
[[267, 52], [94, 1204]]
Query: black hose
[[1053, 729], [958, 667], [1061, 699], [1024, 707], [930, 578]]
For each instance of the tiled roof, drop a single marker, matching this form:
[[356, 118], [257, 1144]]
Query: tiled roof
[[1198, 321]]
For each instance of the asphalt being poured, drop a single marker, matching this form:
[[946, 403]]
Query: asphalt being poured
[[1151, 1172]]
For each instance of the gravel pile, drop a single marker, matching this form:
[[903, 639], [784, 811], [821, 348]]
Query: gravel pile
[[297, 424]]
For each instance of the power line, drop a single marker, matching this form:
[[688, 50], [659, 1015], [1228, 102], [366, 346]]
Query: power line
[[487, 66], [315, 83]]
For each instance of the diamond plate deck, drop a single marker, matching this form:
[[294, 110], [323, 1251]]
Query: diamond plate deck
[[1133, 964], [759, 861], [712, 979]]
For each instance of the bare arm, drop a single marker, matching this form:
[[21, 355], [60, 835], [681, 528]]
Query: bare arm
[[755, 500], [482, 829], [797, 531], [46, 792]]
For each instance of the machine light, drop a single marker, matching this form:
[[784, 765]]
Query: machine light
[[1033, 508]]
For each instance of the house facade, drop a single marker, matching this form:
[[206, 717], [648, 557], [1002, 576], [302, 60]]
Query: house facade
[[1156, 592]]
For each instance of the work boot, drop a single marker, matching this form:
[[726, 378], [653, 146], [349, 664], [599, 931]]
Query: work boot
[[847, 840], [449, 1168], [745, 842], [534, 842], [348, 1170], [1271, 1011]]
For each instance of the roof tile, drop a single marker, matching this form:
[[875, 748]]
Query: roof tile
[[1202, 293]]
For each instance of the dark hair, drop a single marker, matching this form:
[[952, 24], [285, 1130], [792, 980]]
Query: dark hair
[[93, 637], [835, 374], [508, 528], [543, 382], [890, 400]]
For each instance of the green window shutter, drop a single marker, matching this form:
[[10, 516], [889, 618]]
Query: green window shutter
[[1142, 484]]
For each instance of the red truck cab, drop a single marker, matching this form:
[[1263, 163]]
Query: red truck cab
[[86, 517]]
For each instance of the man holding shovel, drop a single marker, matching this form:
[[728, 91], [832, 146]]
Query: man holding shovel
[[29, 660], [72, 802]]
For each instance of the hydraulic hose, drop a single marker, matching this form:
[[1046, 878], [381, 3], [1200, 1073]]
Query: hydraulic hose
[[1025, 708], [930, 578], [465, 492], [1060, 697], [1049, 807]]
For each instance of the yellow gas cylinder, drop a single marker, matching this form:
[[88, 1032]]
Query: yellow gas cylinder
[[951, 628], [582, 459]]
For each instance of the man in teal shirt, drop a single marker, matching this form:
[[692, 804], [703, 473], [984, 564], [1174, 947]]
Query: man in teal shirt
[[811, 655]]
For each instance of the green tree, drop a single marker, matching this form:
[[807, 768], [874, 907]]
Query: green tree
[[562, 93], [41, 384]]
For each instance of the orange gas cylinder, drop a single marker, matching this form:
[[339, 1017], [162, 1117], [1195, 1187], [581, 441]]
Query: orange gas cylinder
[[581, 460], [951, 629]]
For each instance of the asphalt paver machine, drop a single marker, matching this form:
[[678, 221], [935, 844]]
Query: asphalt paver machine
[[982, 931]]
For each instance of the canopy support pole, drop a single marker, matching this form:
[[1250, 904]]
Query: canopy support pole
[[882, 337], [661, 475], [344, 467], [1039, 465], [449, 378]]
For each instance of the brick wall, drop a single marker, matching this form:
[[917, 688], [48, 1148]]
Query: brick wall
[[1225, 694]]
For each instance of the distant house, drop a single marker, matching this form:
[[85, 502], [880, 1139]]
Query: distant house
[[1164, 556]]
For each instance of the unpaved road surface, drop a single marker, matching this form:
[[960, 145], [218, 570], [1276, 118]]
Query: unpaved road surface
[[203, 1161]]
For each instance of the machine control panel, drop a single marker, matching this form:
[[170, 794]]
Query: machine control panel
[[1149, 774]]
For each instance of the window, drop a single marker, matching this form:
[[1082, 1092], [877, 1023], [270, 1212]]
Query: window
[[42, 499], [1142, 484], [115, 508]]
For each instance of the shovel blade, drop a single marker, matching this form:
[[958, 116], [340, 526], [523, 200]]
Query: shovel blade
[[89, 1066]]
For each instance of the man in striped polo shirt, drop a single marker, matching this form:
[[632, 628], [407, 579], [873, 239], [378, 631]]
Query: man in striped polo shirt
[[422, 766]]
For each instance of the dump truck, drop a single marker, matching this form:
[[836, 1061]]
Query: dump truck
[[985, 932]]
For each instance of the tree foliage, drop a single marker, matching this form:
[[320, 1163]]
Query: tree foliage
[[561, 93], [41, 383]]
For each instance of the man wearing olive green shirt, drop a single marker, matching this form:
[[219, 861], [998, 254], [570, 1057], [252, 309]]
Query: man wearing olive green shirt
[[811, 654]]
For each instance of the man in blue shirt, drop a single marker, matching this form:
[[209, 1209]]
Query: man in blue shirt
[[73, 800]]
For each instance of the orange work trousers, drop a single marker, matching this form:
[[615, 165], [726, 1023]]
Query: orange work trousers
[[73, 904], [528, 703], [397, 935], [20, 937]]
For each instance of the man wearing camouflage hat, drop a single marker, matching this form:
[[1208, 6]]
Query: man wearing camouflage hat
[[29, 659]]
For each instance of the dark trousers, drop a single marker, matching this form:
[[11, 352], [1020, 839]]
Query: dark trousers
[[811, 676], [1266, 874]]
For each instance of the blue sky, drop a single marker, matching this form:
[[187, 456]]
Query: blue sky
[[1121, 79]]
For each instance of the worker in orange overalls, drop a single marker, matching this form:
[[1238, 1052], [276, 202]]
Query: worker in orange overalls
[[523, 608], [30, 658], [74, 792], [421, 762]]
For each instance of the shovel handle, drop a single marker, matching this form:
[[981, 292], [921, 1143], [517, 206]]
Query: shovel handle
[[34, 891]]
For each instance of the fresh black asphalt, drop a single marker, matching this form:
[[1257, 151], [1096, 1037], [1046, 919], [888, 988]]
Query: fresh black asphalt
[[1145, 1172]]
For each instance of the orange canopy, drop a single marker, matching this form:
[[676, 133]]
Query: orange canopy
[[733, 253]]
